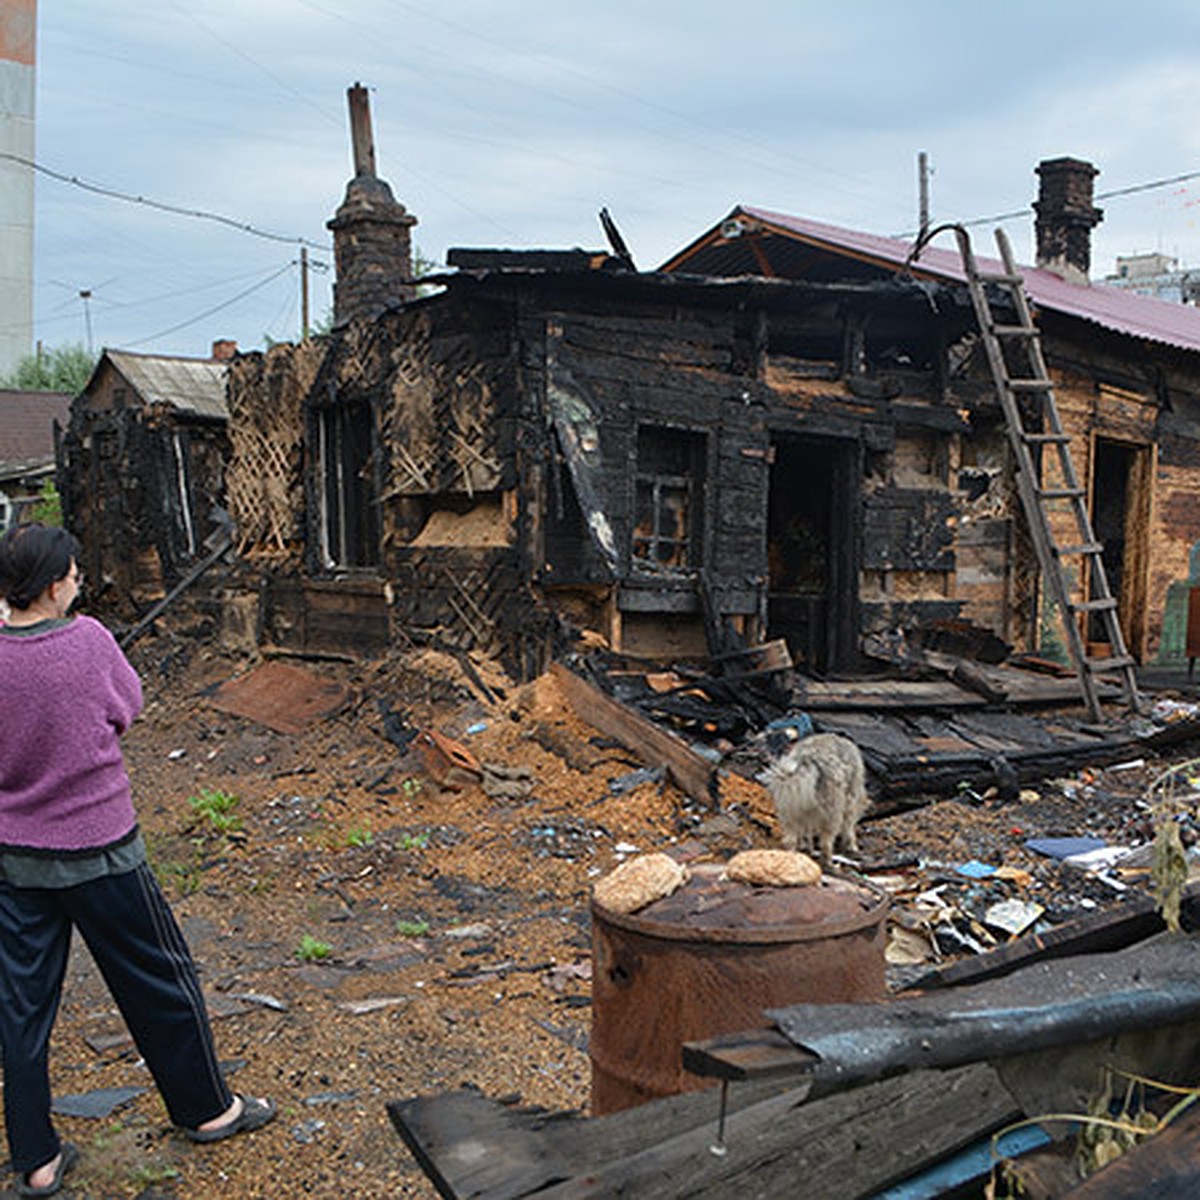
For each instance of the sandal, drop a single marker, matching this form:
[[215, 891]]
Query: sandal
[[254, 1115], [70, 1156]]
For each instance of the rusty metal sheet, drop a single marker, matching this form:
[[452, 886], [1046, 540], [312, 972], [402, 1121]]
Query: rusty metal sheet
[[284, 698]]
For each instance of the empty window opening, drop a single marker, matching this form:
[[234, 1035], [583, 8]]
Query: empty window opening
[[669, 487]]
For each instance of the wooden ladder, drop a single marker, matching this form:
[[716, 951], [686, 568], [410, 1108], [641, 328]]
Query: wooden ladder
[[1018, 347]]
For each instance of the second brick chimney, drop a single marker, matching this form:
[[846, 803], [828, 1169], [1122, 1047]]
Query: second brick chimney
[[372, 239], [1066, 217]]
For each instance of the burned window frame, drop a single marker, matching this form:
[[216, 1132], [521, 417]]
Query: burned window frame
[[655, 444]]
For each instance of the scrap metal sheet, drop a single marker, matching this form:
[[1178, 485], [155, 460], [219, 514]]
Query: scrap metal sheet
[[284, 698]]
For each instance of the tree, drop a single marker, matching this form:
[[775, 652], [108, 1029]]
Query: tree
[[62, 369], [48, 509]]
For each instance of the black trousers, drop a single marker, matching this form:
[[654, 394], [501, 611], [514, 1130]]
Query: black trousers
[[140, 950]]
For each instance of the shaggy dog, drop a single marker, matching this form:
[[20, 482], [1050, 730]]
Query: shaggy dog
[[819, 789]]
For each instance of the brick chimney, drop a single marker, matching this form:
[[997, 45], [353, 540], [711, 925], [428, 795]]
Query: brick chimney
[[372, 239], [1066, 217], [224, 350]]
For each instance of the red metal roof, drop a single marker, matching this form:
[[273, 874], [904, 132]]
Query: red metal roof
[[1112, 308]]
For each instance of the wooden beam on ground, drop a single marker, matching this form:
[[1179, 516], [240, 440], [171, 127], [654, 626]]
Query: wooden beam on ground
[[844, 1146], [691, 772]]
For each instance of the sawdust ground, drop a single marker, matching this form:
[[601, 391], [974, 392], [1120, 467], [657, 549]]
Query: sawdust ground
[[456, 925]]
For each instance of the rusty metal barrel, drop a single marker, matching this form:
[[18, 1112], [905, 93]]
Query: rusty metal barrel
[[708, 960]]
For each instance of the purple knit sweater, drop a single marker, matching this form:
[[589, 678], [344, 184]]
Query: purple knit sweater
[[66, 696]]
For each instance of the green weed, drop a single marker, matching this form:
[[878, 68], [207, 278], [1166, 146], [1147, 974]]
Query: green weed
[[359, 836], [412, 928], [413, 841], [218, 808], [149, 1175], [312, 949]]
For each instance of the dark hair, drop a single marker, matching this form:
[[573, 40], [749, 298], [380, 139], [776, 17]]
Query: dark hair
[[32, 557]]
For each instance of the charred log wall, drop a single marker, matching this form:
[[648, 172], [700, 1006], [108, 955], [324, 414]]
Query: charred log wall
[[139, 488]]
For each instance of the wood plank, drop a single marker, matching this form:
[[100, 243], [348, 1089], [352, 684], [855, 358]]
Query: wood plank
[[1046, 1006], [849, 1146], [817, 695], [471, 1146], [655, 746], [846, 1145]]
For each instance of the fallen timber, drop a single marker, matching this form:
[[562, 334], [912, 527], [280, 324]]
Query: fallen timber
[[919, 738], [837, 1104], [843, 1146]]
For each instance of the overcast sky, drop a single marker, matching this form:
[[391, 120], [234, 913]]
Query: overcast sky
[[512, 122]]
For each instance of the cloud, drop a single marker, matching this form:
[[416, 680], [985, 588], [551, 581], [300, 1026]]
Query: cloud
[[510, 122]]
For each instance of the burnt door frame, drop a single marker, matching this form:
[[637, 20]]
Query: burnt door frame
[[1129, 582], [830, 631]]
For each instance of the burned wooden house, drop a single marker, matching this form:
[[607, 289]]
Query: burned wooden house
[[141, 469], [788, 432], [1125, 372], [555, 440]]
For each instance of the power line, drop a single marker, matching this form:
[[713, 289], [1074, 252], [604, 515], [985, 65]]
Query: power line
[[1116, 193], [216, 309], [162, 206]]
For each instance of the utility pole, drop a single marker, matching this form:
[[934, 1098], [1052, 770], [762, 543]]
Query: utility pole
[[304, 293], [85, 295], [922, 193]]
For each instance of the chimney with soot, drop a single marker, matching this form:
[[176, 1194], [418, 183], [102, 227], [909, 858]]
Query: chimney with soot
[[372, 232], [1066, 217]]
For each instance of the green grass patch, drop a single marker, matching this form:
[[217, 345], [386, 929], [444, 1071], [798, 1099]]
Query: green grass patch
[[218, 808], [312, 949]]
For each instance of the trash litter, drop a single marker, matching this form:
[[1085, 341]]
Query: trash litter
[[97, 1104], [1100, 859], [1064, 847], [628, 783], [1013, 916], [975, 869], [504, 782]]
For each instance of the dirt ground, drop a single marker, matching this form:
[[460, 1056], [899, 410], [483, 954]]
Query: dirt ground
[[365, 935]]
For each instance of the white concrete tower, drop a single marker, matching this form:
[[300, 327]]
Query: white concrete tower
[[18, 25]]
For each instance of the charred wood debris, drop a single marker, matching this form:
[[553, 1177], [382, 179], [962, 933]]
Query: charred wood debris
[[949, 712]]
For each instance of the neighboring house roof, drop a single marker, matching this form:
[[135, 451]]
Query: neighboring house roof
[[193, 385], [1111, 308], [27, 427]]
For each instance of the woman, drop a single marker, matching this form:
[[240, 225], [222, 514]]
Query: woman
[[71, 856]]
